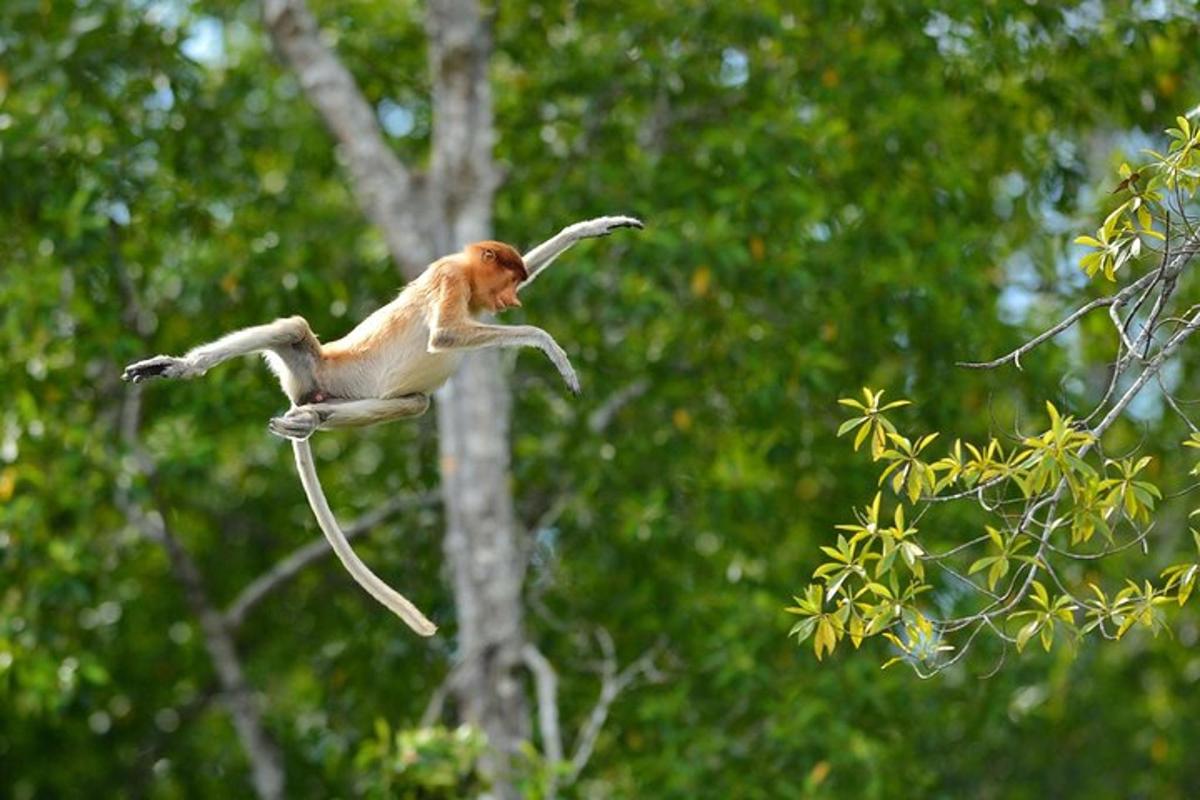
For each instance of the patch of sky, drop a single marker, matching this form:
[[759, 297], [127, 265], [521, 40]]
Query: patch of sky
[[735, 67], [396, 119], [205, 42]]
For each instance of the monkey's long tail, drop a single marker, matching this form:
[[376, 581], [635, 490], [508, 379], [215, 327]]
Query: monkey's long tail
[[374, 585]]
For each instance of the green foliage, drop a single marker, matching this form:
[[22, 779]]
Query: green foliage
[[872, 424], [1120, 239], [1041, 504], [835, 193], [421, 764], [1105, 496]]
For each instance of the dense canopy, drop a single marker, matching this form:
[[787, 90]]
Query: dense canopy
[[836, 195]]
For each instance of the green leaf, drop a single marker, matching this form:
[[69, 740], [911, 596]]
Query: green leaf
[[1026, 633], [850, 425]]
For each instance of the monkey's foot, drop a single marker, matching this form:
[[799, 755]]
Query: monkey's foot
[[298, 423], [160, 367]]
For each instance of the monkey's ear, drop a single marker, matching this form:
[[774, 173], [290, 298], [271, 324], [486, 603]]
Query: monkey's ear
[[489, 254]]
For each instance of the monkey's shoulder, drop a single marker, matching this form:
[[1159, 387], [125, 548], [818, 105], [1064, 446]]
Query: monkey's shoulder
[[447, 271]]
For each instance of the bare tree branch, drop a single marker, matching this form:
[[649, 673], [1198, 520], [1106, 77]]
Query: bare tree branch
[[545, 683], [603, 416], [1151, 369], [437, 701], [392, 198], [266, 763], [1174, 404], [612, 683], [1111, 300]]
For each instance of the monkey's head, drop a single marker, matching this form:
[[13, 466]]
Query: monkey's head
[[497, 271]]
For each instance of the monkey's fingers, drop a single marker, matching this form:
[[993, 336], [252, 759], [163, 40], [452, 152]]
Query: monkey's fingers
[[157, 367], [624, 222], [558, 357], [603, 226], [569, 377]]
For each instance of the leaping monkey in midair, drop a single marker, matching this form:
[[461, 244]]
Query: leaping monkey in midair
[[389, 364]]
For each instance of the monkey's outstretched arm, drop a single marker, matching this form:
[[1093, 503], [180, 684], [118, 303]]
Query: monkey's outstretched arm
[[540, 257], [290, 338], [303, 421], [396, 602], [467, 334]]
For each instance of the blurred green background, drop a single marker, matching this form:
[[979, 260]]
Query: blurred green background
[[836, 194]]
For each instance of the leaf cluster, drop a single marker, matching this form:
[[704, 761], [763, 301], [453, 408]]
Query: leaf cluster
[[875, 575]]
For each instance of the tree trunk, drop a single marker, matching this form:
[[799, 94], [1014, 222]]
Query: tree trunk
[[422, 217], [481, 548], [474, 407]]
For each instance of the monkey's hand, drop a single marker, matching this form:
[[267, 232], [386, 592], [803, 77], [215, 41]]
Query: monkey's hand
[[299, 423], [161, 367], [540, 257], [559, 358], [603, 226]]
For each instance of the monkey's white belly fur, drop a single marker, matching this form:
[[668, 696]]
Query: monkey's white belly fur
[[403, 366], [410, 368]]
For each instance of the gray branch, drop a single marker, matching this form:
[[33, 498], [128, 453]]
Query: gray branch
[[266, 763], [437, 701], [612, 683], [1152, 368], [545, 684], [1115, 301], [602, 417], [392, 198]]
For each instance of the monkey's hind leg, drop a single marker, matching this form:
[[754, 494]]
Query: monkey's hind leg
[[290, 338], [301, 422]]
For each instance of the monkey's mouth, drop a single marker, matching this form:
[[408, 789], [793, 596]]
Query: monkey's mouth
[[503, 303]]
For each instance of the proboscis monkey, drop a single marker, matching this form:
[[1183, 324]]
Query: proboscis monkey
[[390, 363]]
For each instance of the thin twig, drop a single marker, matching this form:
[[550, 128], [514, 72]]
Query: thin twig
[[437, 700], [266, 764], [1071, 319], [1174, 405], [545, 684], [604, 414], [612, 683]]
